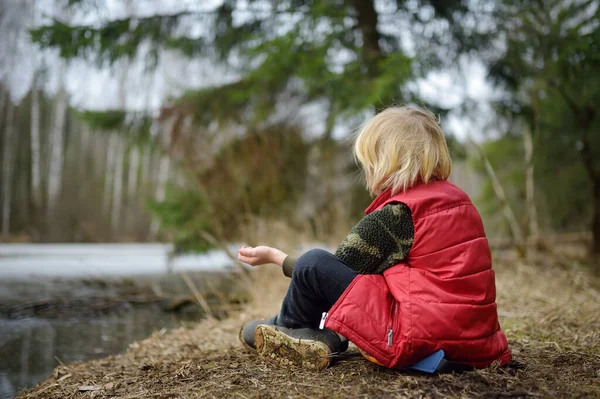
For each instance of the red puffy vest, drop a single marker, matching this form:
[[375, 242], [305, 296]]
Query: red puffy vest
[[443, 296]]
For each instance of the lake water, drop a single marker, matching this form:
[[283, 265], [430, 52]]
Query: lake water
[[88, 260], [47, 292]]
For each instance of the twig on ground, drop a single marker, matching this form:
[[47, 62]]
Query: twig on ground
[[199, 297]]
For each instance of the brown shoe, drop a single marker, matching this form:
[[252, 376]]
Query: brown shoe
[[308, 348]]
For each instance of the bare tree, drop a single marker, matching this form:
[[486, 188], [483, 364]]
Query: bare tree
[[530, 185], [132, 179], [84, 149], [7, 165], [36, 181], [117, 190], [534, 229], [163, 175], [55, 169], [117, 185], [108, 168]]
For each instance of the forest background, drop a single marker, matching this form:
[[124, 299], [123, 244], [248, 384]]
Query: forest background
[[207, 122]]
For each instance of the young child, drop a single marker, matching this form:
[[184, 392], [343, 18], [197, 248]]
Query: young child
[[412, 277]]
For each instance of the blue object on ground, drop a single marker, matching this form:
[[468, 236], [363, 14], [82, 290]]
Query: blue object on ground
[[430, 364]]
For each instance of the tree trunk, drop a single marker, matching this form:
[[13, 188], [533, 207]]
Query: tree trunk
[[7, 166], [36, 181], [530, 185], [586, 117], [163, 175], [4, 98], [132, 178], [132, 184], [366, 17], [108, 168], [117, 186], [84, 155], [55, 168], [595, 250], [120, 149], [146, 173]]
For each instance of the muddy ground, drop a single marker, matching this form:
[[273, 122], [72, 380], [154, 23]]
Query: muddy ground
[[550, 311]]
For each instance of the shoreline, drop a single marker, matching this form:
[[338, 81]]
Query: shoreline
[[60, 297], [73, 319]]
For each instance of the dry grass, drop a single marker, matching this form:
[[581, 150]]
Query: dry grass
[[549, 312]]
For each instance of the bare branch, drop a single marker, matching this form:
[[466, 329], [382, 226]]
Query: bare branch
[[515, 229]]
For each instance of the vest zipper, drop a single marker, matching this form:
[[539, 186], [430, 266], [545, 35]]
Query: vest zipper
[[323, 318], [390, 332]]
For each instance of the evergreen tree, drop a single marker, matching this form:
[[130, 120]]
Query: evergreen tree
[[548, 71], [352, 54]]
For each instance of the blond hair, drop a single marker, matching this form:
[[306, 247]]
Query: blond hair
[[400, 146]]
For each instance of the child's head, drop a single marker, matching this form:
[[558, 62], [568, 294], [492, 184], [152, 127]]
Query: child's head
[[400, 146]]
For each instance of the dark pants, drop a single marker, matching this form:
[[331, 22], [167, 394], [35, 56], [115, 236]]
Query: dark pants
[[318, 280]]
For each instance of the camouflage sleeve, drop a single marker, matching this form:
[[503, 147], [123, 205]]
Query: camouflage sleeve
[[288, 265], [381, 239]]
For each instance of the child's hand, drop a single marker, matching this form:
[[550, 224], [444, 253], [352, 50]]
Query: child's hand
[[256, 256]]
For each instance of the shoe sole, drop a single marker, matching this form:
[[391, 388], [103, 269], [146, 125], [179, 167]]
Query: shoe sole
[[285, 350], [244, 343]]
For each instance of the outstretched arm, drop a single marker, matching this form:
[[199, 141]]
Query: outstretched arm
[[256, 256], [378, 241]]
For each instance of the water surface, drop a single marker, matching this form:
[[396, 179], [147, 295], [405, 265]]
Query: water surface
[[76, 302]]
